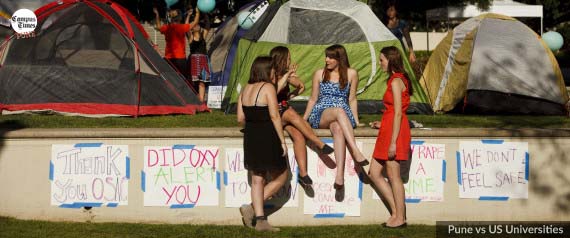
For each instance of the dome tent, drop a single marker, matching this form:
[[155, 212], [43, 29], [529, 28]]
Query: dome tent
[[90, 58], [494, 64], [307, 28]]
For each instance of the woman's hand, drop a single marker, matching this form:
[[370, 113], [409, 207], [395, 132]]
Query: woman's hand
[[375, 124], [292, 69], [392, 151]]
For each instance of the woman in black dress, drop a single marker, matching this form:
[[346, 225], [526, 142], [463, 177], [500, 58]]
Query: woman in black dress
[[265, 152]]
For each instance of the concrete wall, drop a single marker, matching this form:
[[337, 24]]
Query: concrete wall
[[25, 189]]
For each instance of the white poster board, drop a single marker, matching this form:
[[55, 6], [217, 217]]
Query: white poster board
[[215, 96], [89, 175], [180, 176], [493, 169], [427, 173], [323, 204], [238, 190]]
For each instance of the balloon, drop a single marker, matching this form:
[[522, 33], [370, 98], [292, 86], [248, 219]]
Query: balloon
[[206, 5], [244, 21], [553, 39], [170, 2]]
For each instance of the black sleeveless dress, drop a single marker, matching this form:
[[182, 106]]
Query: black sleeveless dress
[[261, 144]]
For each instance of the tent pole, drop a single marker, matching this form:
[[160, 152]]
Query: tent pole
[[541, 26], [427, 34]]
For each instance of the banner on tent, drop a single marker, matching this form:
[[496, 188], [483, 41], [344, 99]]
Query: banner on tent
[[427, 173], [89, 175], [493, 169], [237, 185], [324, 203], [180, 176]]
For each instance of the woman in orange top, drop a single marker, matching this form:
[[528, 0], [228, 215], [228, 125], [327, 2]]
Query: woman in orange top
[[393, 142]]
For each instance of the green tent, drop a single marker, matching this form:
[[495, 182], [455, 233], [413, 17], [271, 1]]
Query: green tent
[[307, 27], [494, 64]]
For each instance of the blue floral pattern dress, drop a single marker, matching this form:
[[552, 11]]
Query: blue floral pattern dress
[[330, 95]]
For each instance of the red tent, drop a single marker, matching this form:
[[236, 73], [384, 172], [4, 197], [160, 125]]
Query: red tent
[[90, 58]]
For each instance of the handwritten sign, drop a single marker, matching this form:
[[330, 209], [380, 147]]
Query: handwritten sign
[[323, 203], [427, 173], [215, 96], [493, 169], [89, 175], [238, 190], [181, 176]]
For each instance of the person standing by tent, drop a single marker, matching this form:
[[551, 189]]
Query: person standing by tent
[[174, 33], [265, 151], [333, 106], [198, 58], [399, 28], [294, 124], [394, 137]]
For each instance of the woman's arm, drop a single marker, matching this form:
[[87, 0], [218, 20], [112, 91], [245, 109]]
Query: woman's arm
[[352, 102], [397, 87], [271, 99], [282, 82], [196, 19], [314, 93], [158, 23], [298, 84], [240, 114], [406, 32]]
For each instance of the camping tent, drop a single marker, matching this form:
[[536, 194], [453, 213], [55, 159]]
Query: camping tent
[[307, 27], [90, 58], [222, 52], [494, 64]]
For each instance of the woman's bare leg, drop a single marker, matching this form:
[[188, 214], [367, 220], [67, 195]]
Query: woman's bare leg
[[337, 114], [257, 190], [339, 152], [383, 186], [201, 91], [299, 147], [393, 170], [278, 179], [290, 116]]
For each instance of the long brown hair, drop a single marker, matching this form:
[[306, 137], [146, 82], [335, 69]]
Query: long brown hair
[[396, 64], [338, 52], [279, 56], [260, 70]]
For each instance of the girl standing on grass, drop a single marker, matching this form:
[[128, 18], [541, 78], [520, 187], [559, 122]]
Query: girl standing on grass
[[393, 142], [265, 152]]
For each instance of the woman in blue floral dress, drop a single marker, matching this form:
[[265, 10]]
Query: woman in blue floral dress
[[333, 106]]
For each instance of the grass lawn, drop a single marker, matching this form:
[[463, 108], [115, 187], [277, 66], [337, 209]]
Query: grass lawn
[[218, 119], [10, 227]]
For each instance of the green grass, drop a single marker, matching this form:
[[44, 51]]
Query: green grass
[[218, 119], [10, 227]]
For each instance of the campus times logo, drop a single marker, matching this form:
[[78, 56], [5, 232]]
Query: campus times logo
[[457, 229], [24, 23]]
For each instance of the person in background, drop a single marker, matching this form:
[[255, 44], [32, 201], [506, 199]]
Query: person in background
[[175, 36], [399, 28], [198, 58], [394, 136], [265, 151], [333, 106], [294, 124]]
